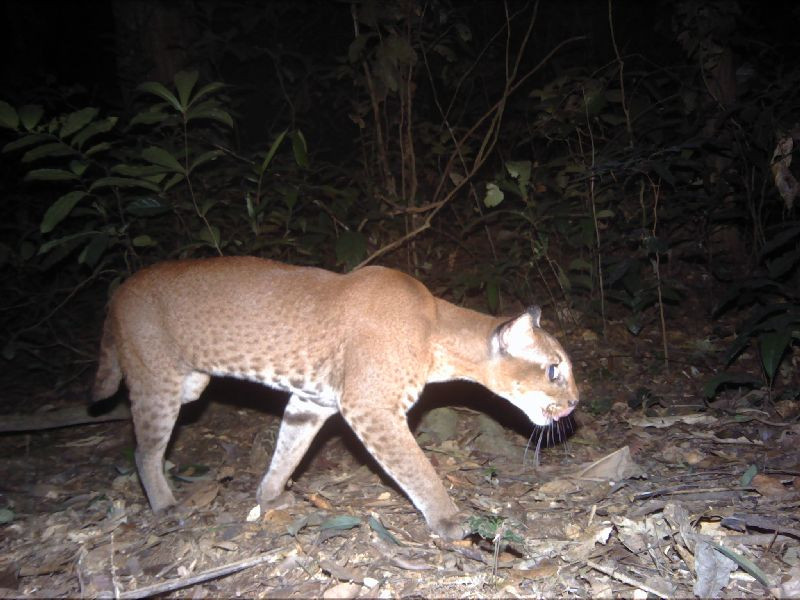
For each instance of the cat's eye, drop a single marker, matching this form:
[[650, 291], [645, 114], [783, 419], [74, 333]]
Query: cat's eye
[[553, 373]]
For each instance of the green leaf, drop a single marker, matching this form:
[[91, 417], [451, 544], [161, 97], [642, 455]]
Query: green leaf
[[149, 118], [737, 379], [76, 121], [158, 89], [93, 129], [101, 147], [49, 175], [485, 526], [78, 167], [60, 209], [300, 149], [271, 152], [580, 264], [351, 247], [290, 197], [28, 140], [382, 532], [492, 296], [172, 181], [577, 281], [47, 150], [123, 182], [210, 236], [147, 206], [606, 213], [8, 116], [214, 113], [521, 171], [341, 522], [745, 563], [163, 158], [94, 250], [207, 206], [184, 81], [790, 234], [248, 200], [747, 477], [204, 158], [30, 115], [494, 195], [634, 324], [781, 265], [773, 345], [47, 246], [137, 170], [142, 241], [662, 170], [612, 119], [209, 88]]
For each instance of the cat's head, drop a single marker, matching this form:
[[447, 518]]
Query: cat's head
[[530, 369]]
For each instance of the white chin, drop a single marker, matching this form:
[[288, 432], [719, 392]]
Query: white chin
[[538, 418]]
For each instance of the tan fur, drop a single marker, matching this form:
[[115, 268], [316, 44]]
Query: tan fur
[[362, 344]]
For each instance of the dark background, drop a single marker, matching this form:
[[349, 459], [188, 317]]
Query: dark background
[[637, 169]]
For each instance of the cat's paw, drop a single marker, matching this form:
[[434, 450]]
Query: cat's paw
[[451, 528], [282, 500]]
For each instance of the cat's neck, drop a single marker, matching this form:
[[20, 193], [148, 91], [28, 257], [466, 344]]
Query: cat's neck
[[461, 343]]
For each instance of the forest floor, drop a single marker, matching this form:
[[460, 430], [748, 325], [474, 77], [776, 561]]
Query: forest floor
[[655, 491]]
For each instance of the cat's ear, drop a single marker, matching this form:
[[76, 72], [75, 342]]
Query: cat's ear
[[516, 337]]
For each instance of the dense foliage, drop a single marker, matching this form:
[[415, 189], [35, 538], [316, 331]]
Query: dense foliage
[[490, 149]]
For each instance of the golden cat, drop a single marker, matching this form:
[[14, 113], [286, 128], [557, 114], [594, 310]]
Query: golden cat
[[362, 344]]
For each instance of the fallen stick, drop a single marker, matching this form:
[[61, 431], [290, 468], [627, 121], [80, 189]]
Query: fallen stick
[[620, 576], [183, 582], [65, 417]]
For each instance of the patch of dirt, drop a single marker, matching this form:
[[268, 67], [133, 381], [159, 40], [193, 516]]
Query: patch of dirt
[[654, 492]]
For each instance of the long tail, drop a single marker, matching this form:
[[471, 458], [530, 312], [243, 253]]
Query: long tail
[[109, 375]]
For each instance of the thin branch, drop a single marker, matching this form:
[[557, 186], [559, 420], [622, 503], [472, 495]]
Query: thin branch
[[489, 141], [621, 63]]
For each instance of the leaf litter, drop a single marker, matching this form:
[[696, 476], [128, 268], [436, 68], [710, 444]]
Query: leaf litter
[[653, 493]]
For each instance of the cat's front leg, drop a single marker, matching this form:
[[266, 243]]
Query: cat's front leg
[[302, 419], [386, 435]]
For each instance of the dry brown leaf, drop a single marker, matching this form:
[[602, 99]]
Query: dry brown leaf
[[613, 467], [225, 545], [541, 571], [277, 519], [320, 501], [558, 486], [455, 480], [203, 494], [342, 590], [769, 486], [226, 472], [669, 421]]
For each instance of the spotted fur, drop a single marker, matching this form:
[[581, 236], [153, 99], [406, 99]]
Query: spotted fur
[[362, 344]]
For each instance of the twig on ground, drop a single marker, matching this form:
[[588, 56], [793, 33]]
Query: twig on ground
[[184, 582], [72, 415]]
